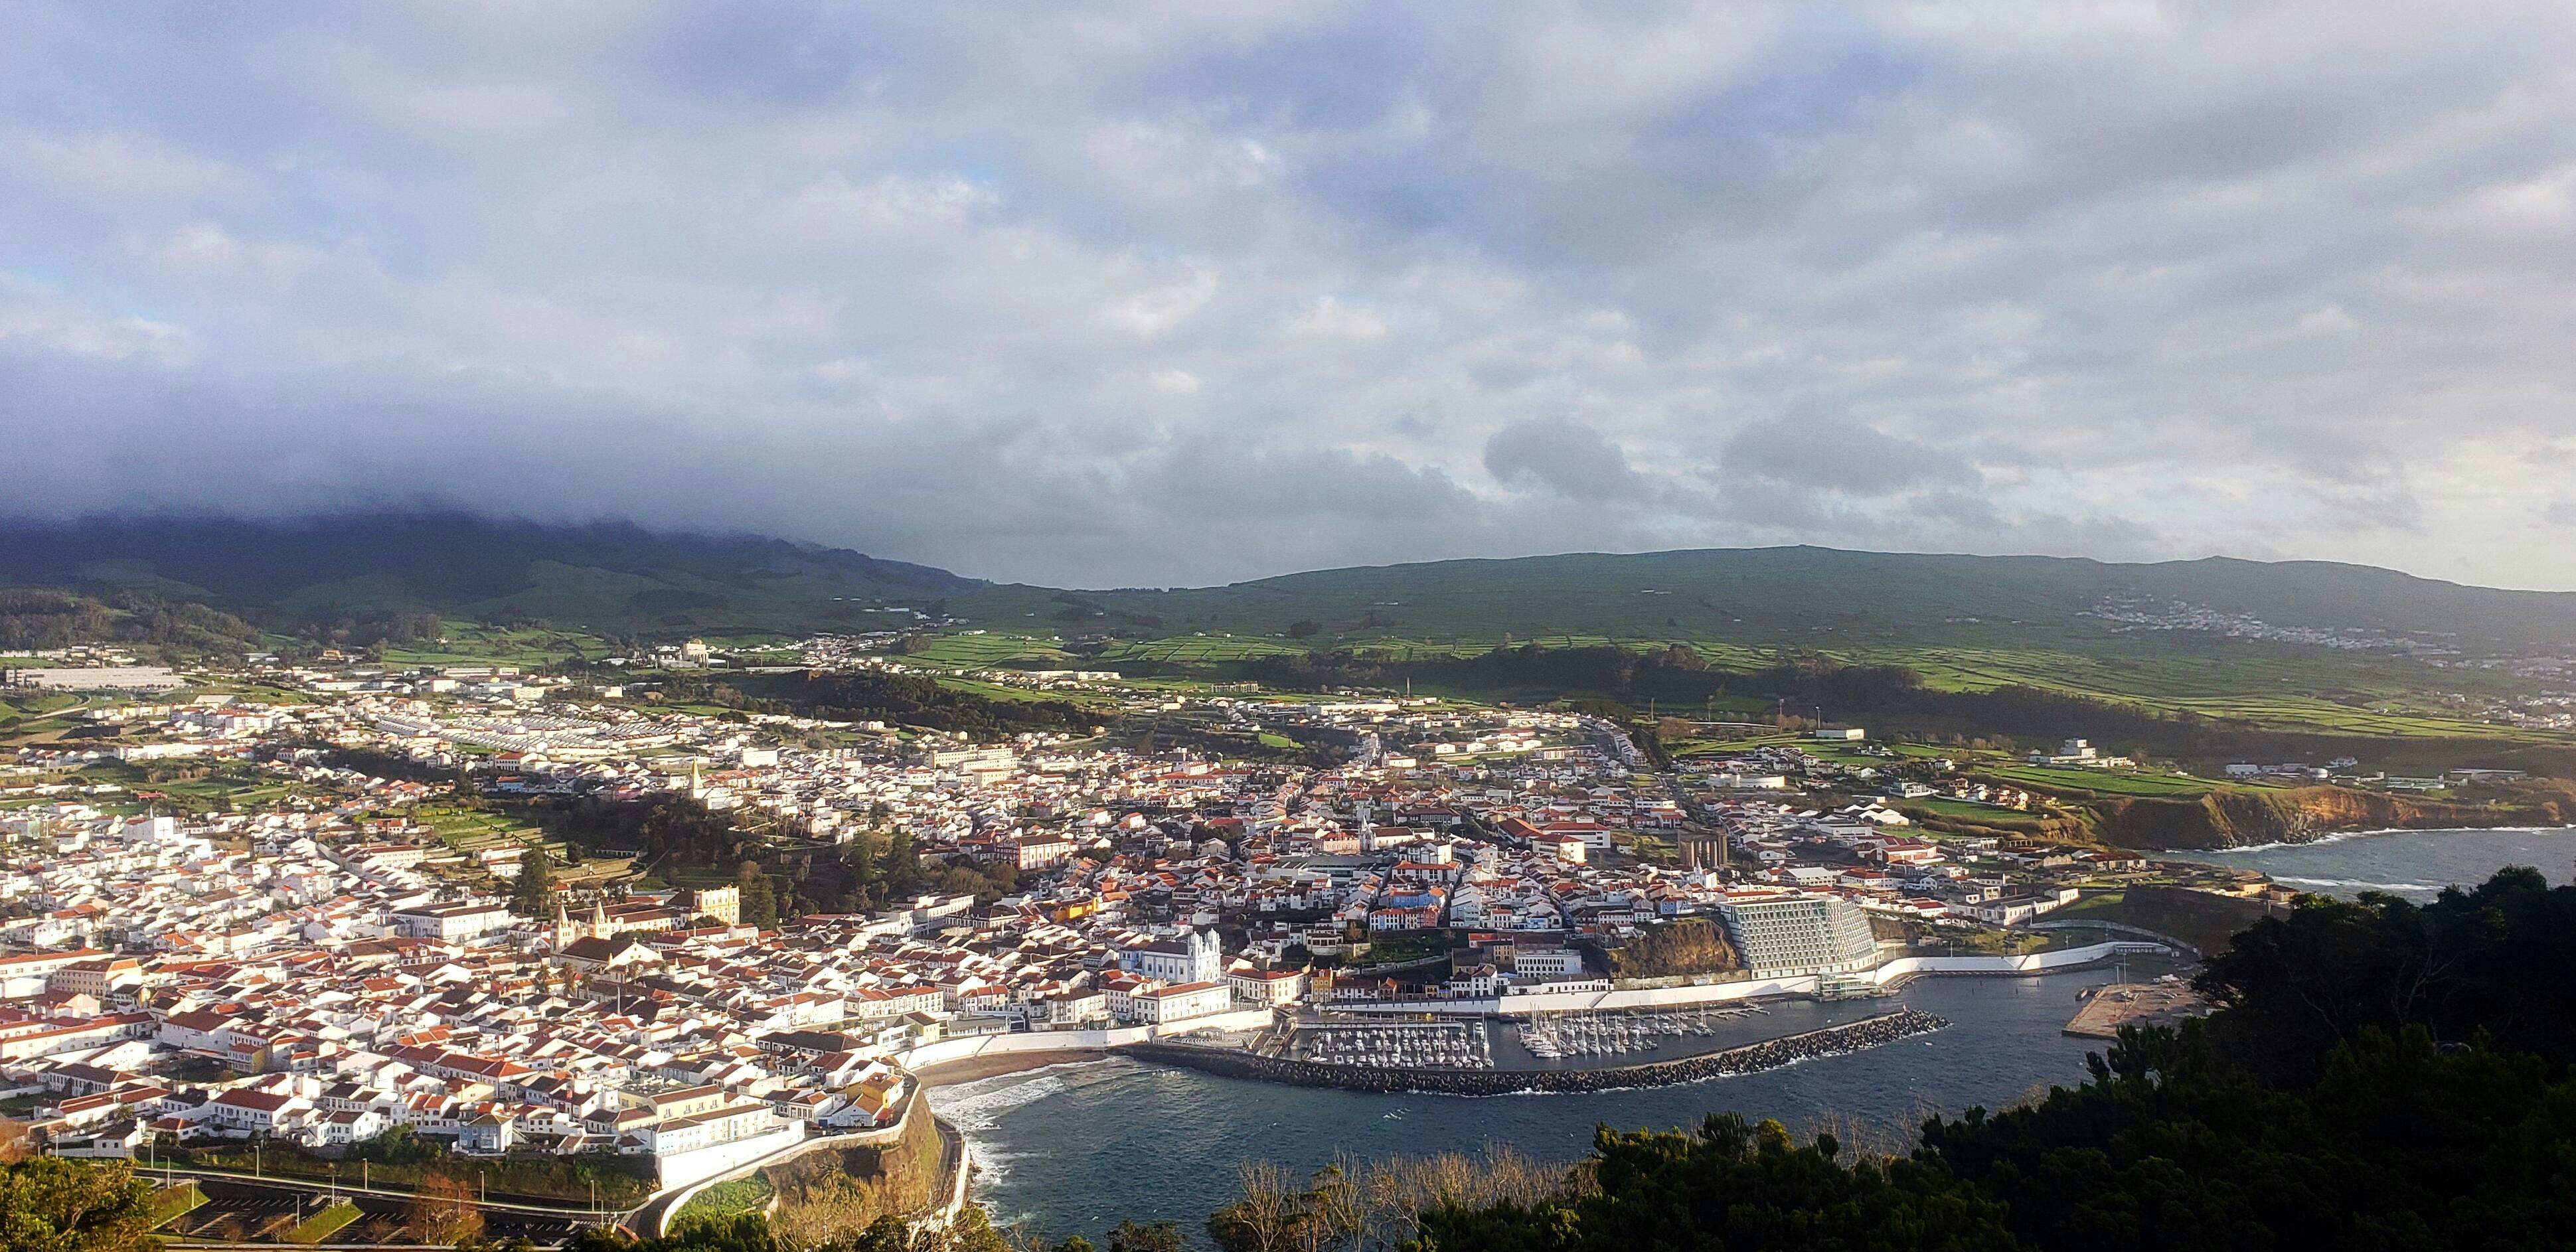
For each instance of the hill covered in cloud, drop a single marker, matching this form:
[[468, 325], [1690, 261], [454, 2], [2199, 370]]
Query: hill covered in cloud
[[1133, 293]]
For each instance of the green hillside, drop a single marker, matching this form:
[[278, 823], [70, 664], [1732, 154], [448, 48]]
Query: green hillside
[[2238, 643], [607, 576], [1804, 596]]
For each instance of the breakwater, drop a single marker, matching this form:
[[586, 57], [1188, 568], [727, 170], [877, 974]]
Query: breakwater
[[1868, 1032]]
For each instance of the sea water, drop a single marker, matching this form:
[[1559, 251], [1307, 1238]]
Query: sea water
[[1076, 1148], [2413, 864]]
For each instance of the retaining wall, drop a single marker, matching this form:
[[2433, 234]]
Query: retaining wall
[[684, 1168]]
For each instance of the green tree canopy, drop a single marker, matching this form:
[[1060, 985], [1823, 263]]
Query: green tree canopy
[[52, 1205]]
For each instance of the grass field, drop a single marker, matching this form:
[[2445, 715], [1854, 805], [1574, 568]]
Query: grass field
[[724, 1199], [2267, 686], [1002, 691], [172, 1201], [472, 643], [1202, 649], [322, 1225], [2100, 781], [974, 651], [1964, 810]]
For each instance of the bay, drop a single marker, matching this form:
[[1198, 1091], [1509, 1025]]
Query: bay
[[2413, 864], [1076, 1148]]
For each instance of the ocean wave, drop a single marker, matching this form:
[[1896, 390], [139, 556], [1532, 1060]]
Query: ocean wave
[[979, 1105], [2359, 884], [2342, 836], [2318, 842]]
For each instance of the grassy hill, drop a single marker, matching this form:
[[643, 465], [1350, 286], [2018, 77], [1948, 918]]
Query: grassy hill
[[2233, 642], [620, 576], [1806, 596], [607, 576]]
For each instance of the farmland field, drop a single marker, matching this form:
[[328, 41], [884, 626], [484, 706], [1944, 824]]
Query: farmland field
[[470, 643], [2100, 782]]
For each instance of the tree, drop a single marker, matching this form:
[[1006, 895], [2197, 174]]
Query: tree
[[1303, 628], [443, 1212], [759, 895], [902, 865], [48, 1204], [1271, 1216], [533, 894], [1145, 1237]]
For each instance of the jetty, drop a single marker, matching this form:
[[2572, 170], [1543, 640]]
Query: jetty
[[2107, 1008]]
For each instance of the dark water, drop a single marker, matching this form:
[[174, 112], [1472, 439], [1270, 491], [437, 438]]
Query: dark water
[[2415, 864], [1076, 1148]]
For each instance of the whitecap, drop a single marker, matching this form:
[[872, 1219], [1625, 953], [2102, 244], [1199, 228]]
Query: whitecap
[[979, 1105], [2358, 884]]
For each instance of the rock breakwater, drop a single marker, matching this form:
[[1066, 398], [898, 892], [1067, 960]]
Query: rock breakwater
[[1769, 1054]]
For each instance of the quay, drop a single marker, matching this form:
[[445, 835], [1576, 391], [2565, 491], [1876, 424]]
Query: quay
[[2113, 1005], [1751, 1058]]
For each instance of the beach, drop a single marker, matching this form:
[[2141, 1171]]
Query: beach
[[994, 1065]]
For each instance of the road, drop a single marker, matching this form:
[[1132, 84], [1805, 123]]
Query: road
[[237, 1211], [529, 1205]]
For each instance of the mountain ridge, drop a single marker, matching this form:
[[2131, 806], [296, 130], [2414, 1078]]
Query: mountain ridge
[[621, 575]]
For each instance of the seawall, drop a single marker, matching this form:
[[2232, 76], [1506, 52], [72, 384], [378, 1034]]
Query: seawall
[[1751, 1058]]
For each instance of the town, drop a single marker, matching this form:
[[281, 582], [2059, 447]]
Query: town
[[519, 916]]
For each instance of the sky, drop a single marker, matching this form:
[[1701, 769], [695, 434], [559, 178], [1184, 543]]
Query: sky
[[1167, 294]]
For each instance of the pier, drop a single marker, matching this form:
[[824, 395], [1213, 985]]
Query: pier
[[2163, 1002]]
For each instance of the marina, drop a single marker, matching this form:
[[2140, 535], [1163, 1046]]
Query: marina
[[1400, 1045], [1555, 1035], [1837, 1040]]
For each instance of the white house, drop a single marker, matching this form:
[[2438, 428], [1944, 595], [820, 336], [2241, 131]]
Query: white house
[[1172, 1004]]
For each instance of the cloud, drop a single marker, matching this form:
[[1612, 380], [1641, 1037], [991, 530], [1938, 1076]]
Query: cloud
[[1563, 456], [1149, 293], [1832, 452]]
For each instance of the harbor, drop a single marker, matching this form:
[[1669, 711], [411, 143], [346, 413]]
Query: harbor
[[1398, 1045], [1555, 1035], [1768, 1054]]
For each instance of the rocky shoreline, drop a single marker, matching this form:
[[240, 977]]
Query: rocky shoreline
[[1769, 1054]]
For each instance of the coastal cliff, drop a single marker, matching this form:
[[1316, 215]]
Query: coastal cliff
[[2236, 818], [835, 1192]]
